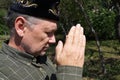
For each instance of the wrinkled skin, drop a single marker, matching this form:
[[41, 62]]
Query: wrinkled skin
[[72, 52], [33, 39]]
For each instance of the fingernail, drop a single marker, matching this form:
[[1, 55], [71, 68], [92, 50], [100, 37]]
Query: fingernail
[[59, 42], [78, 25], [73, 26]]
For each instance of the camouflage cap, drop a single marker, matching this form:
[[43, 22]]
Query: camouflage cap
[[38, 8]]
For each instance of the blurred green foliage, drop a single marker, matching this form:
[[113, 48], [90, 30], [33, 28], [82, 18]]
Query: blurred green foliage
[[3, 28], [103, 23], [101, 16]]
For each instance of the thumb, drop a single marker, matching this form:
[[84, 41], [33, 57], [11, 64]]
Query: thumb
[[59, 47]]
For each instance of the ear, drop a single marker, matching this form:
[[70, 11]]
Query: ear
[[20, 25]]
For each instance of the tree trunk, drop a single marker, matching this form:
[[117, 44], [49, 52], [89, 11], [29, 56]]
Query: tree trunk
[[117, 18]]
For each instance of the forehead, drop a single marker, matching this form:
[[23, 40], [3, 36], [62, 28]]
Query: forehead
[[45, 24]]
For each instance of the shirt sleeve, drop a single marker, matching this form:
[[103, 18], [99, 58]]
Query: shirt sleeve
[[69, 73]]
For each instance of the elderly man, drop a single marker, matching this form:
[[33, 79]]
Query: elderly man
[[23, 57]]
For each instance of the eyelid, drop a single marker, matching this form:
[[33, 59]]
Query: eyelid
[[50, 33]]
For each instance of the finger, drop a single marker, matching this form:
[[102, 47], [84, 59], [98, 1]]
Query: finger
[[81, 48], [59, 48], [81, 30], [82, 41], [69, 37], [76, 34]]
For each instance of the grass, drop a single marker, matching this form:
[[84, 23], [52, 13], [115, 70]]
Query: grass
[[92, 68], [111, 57]]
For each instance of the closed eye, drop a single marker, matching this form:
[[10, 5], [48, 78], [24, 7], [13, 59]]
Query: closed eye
[[50, 34]]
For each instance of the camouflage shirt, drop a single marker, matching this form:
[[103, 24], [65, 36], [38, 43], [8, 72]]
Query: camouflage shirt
[[16, 65]]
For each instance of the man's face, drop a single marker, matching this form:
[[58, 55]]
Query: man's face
[[36, 40]]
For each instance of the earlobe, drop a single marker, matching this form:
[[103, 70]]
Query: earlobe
[[20, 26]]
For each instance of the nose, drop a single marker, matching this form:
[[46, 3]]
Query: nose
[[52, 39]]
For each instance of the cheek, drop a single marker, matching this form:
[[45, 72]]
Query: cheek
[[34, 43], [36, 36], [39, 37]]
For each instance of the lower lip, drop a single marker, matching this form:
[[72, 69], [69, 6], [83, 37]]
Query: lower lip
[[44, 49]]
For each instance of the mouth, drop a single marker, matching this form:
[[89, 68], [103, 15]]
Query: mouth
[[45, 49]]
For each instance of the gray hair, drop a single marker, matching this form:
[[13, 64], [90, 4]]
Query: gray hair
[[11, 17]]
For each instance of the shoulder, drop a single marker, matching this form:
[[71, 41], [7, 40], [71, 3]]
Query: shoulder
[[7, 64], [5, 59], [5, 69], [11, 69]]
